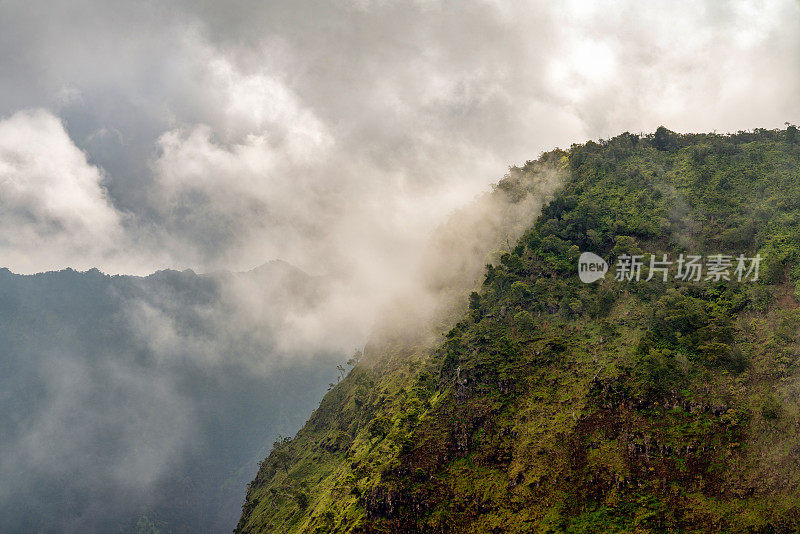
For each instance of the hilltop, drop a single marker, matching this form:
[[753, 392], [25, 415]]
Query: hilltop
[[550, 405]]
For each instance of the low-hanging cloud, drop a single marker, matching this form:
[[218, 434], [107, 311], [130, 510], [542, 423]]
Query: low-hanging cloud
[[127, 397]]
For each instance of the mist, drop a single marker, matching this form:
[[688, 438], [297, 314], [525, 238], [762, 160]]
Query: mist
[[129, 401], [354, 140]]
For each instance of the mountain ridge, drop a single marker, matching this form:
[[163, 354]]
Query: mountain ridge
[[266, 267], [152, 395]]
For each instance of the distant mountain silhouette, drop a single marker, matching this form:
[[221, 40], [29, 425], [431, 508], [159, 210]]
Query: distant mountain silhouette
[[137, 402]]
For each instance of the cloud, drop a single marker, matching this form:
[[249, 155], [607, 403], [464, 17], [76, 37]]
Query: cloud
[[54, 210], [125, 395], [331, 130], [70, 432]]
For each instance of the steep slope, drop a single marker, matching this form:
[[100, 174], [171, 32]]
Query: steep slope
[[559, 406]]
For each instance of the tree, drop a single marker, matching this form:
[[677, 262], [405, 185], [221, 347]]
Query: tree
[[280, 456], [791, 134], [357, 355], [302, 498], [663, 139]]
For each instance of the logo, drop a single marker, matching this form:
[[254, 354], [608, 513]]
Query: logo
[[591, 267], [687, 268]]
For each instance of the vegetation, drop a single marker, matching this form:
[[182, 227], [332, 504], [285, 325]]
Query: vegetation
[[558, 406]]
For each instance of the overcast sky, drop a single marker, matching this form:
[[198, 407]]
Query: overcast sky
[[137, 135]]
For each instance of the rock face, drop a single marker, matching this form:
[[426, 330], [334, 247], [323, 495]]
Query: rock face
[[555, 405]]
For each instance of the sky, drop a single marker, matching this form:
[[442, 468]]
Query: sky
[[337, 135]]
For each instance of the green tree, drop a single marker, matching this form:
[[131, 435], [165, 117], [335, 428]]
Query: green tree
[[663, 139], [791, 134]]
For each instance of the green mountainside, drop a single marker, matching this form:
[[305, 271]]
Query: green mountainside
[[552, 405]]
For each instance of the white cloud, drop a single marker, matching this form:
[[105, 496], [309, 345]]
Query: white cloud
[[54, 211], [310, 131]]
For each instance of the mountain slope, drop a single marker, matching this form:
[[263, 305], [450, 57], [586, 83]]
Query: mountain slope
[[558, 406]]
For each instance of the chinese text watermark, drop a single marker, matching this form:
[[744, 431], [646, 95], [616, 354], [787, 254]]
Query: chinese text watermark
[[663, 267]]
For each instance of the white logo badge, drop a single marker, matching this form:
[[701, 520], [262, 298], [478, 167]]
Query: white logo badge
[[591, 267]]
